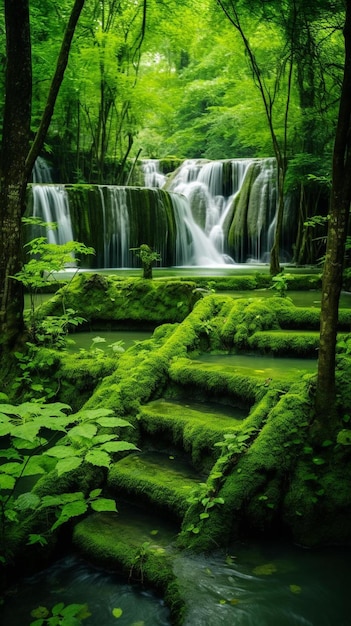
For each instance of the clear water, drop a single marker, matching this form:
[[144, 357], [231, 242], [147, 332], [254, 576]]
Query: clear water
[[127, 337], [267, 584], [260, 365], [72, 580], [264, 583]]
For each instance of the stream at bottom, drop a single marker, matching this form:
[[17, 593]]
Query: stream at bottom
[[255, 584]]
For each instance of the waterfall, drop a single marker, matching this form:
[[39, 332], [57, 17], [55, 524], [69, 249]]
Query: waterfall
[[192, 245], [207, 213], [116, 227], [41, 172], [50, 204], [152, 174], [202, 184]]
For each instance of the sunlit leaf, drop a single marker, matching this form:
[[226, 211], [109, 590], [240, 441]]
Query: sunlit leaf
[[98, 457], [104, 504], [83, 430], [67, 465], [118, 446], [117, 613], [7, 481]]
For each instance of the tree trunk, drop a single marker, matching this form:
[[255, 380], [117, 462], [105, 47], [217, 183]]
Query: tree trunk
[[334, 261], [14, 149]]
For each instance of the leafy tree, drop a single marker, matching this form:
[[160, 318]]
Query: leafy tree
[[325, 405], [268, 89]]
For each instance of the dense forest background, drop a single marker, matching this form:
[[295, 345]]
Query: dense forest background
[[155, 79]]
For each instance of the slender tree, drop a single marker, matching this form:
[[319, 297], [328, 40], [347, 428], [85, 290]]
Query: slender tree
[[326, 414], [268, 95], [17, 154]]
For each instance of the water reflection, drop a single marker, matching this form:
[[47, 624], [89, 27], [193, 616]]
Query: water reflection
[[267, 584]]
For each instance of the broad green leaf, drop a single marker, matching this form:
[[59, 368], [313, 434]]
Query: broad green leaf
[[7, 482], [9, 409], [61, 498], [11, 515], [93, 414], [27, 431], [6, 428], [26, 501], [95, 493], [117, 613], [33, 539], [204, 515], [67, 465], [118, 446], [60, 452], [56, 610], [73, 509], [83, 430], [10, 454], [104, 504], [13, 469], [98, 457], [103, 438], [24, 444]]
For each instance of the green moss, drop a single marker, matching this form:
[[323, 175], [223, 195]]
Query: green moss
[[279, 342], [217, 380], [166, 484], [188, 429], [98, 297], [110, 540]]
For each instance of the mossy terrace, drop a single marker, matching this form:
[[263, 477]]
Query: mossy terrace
[[222, 453]]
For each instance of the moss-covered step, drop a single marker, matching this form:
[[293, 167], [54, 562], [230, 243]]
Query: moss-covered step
[[218, 382], [164, 481], [192, 427], [135, 543], [286, 342]]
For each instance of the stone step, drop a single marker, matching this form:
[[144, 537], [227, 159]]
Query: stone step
[[190, 426], [133, 541], [156, 479]]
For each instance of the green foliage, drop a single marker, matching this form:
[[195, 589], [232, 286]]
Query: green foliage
[[147, 257], [47, 259], [35, 437], [280, 283], [60, 615]]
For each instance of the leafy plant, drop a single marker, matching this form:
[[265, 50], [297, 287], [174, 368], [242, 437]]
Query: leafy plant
[[147, 257], [36, 437], [280, 283], [60, 615], [46, 259]]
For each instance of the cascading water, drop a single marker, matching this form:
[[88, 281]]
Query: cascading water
[[50, 203], [152, 175], [116, 226], [208, 213], [209, 188]]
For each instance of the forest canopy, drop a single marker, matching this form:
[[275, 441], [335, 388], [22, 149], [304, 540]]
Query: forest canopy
[[174, 79]]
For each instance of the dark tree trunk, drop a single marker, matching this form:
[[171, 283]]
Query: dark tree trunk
[[334, 261], [14, 150]]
